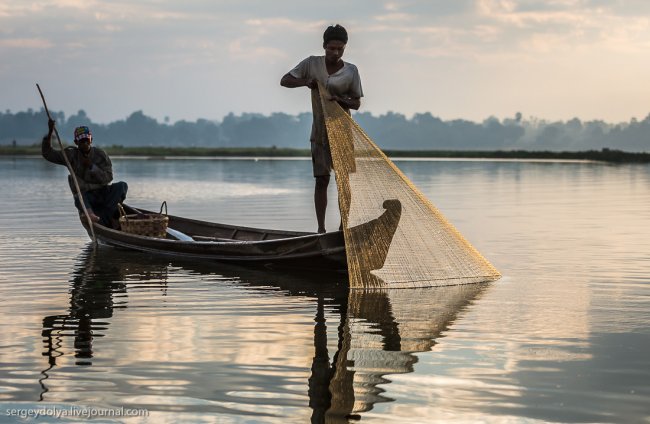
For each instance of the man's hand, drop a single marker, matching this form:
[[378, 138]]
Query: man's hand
[[47, 140], [340, 100], [312, 84], [346, 102]]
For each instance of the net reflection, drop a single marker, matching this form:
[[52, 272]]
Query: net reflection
[[380, 334], [377, 332]]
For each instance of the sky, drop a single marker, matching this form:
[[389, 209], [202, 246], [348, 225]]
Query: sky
[[457, 59]]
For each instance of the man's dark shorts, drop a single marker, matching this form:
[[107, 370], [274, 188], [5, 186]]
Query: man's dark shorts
[[321, 159], [103, 201]]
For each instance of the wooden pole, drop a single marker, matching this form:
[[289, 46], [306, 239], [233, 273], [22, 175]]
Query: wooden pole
[[74, 177]]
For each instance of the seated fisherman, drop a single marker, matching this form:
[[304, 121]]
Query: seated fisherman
[[94, 172]]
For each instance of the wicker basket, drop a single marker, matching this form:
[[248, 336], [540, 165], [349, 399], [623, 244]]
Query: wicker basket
[[145, 224]]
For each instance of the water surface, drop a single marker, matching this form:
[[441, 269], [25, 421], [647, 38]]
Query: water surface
[[564, 336]]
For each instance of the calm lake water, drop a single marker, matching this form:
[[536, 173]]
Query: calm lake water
[[564, 336]]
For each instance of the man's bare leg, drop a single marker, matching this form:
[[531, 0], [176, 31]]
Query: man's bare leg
[[320, 200]]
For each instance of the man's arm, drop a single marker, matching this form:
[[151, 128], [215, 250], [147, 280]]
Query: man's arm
[[290, 81], [348, 102], [47, 151]]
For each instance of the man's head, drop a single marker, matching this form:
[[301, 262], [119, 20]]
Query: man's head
[[83, 138], [335, 38], [335, 32]]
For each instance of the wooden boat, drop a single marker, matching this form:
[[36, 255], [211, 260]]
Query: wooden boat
[[194, 239]]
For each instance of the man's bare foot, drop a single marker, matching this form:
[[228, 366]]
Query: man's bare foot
[[93, 217], [321, 230]]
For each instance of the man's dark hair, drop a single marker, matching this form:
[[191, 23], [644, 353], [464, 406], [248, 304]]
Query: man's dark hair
[[335, 32]]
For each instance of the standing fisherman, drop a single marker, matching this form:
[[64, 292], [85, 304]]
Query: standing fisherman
[[342, 81]]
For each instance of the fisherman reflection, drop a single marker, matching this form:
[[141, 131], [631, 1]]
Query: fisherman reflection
[[94, 282], [99, 275], [379, 334], [323, 373]]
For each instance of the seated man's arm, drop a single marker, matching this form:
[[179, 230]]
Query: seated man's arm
[[47, 151]]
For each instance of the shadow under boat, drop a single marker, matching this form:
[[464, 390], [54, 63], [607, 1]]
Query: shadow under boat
[[378, 332]]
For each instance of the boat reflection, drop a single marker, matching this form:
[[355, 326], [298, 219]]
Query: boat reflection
[[378, 332]]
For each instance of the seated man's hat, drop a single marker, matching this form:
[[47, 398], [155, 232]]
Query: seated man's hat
[[81, 133]]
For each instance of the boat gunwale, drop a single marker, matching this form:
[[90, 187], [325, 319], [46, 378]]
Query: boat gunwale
[[289, 234]]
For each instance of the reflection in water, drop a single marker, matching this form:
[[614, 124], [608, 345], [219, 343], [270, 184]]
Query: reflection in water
[[378, 332], [563, 338], [96, 282]]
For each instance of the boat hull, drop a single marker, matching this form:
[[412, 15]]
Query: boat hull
[[228, 243]]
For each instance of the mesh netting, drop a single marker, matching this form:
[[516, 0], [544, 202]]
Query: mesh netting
[[394, 237]]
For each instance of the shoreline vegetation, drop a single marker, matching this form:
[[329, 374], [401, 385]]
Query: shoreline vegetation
[[391, 131], [604, 155]]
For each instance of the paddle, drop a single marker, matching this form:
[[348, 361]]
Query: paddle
[[74, 177]]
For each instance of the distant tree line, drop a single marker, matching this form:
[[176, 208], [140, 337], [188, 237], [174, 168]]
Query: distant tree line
[[390, 131]]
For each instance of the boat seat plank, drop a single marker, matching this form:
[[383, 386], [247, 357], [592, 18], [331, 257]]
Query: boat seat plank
[[207, 238], [178, 235]]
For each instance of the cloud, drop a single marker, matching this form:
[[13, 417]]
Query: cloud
[[25, 43], [250, 49], [272, 25], [394, 17], [207, 43], [73, 4], [494, 28]]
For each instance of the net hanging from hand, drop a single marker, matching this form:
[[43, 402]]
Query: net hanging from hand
[[394, 236]]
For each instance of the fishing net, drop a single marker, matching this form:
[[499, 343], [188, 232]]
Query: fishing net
[[394, 236]]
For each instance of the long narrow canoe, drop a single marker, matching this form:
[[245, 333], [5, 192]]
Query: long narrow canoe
[[190, 238]]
